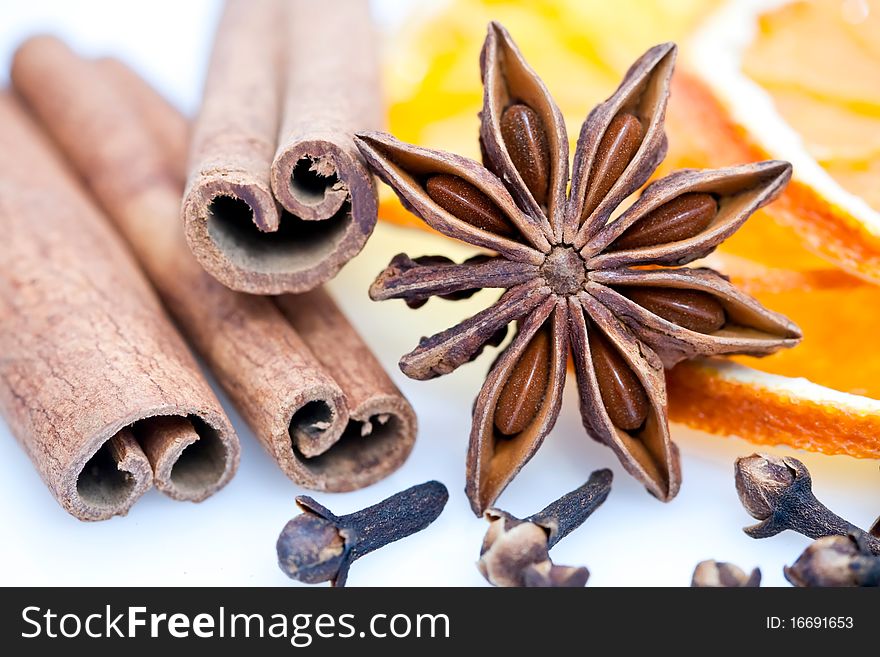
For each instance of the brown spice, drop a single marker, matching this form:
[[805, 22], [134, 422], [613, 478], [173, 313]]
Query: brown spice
[[515, 552], [318, 546], [288, 84], [623, 395], [94, 381], [778, 491], [173, 139], [460, 198], [618, 146], [719, 574], [572, 274], [300, 375], [520, 399], [836, 561], [695, 311], [681, 218], [521, 129]]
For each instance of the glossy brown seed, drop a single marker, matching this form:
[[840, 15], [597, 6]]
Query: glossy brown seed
[[526, 141], [679, 219], [691, 309], [464, 201], [522, 395], [616, 149], [622, 392]]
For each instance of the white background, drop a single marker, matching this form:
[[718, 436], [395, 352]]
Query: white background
[[230, 538]]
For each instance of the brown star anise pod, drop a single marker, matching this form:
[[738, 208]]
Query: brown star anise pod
[[576, 273]]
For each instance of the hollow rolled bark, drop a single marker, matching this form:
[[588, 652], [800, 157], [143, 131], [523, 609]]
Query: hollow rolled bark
[[278, 197], [92, 369]]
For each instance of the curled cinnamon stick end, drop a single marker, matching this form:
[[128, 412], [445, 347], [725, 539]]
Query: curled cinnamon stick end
[[331, 90], [186, 458], [89, 358], [230, 216], [106, 479], [311, 69], [378, 431]]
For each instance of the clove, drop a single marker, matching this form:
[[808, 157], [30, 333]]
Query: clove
[[836, 561], [778, 492], [318, 546], [515, 551], [719, 574]]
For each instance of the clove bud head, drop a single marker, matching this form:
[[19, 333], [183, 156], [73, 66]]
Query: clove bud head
[[762, 479], [719, 574], [515, 553], [835, 561], [310, 549], [548, 575]]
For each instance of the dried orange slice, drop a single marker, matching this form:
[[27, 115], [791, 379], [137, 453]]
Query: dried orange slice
[[796, 81]]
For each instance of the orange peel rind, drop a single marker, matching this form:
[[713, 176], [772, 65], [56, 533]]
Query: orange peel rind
[[727, 398]]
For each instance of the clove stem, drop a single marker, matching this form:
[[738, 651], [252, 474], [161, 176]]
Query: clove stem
[[396, 517], [571, 510]]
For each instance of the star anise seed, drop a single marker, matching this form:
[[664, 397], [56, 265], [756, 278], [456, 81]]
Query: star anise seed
[[683, 217], [527, 143], [696, 311], [612, 292], [619, 144], [520, 399], [622, 394], [464, 201]]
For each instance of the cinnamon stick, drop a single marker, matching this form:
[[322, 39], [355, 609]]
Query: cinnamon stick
[[327, 429], [173, 138], [331, 90], [94, 380], [288, 85]]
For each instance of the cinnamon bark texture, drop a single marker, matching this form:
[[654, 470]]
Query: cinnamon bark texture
[[94, 381], [312, 393], [173, 137], [278, 197], [331, 88]]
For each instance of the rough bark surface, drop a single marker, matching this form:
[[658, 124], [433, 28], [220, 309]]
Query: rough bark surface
[[289, 83], [174, 138], [88, 353]]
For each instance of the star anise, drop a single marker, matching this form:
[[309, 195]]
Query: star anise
[[576, 273]]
